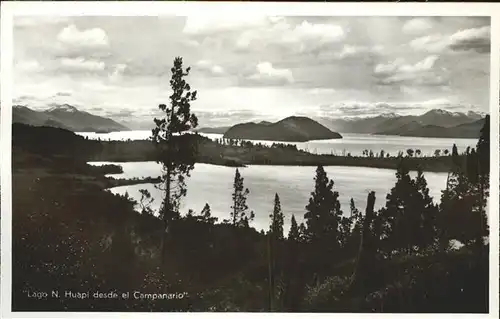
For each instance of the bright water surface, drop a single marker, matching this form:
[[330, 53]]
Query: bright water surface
[[213, 184], [350, 143]]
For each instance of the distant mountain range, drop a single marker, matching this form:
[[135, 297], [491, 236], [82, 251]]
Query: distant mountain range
[[65, 116], [467, 130], [434, 123], [220, 129], [290, 129], [213, 130]]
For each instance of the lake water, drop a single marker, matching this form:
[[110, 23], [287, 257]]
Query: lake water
[[350, 143], [213, 184]]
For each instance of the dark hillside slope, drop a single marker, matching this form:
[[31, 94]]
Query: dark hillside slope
[[65, 116]]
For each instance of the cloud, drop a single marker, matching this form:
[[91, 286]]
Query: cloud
[[349, 51], [209, 67], [120, 113], [80, 64], [206, 24], [191, 43], [398, 66], [417, 25], [316, 91], [23, 99], [390, 67], [309, 32], [477, 39], [361, 108], [90, 38], [144, 67], [433, 43], [230, 117], [33, 21], [117, 73], [63, 94], [304, 37], [39, 101], [409, 79], [398, 72], [284, 64], [474, 39], [266, 74], [245, 39], [436, 102], [29, 66]]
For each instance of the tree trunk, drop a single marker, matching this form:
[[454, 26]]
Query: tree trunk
[[166, 213], [365, 256], [480, 241], [234, 212], [288, 281], [448, 181], [271, 271], [167, 208]]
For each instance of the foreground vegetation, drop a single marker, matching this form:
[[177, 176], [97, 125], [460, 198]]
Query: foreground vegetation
[[71, 235]]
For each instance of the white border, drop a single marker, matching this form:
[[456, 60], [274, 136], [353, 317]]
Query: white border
[[183, 8], [495, 162], [5, 155], [8, 9]]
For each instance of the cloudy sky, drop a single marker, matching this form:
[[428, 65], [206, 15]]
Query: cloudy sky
[[251, 68]]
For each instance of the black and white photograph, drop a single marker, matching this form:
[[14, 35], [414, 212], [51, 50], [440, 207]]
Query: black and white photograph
[[251, 163]]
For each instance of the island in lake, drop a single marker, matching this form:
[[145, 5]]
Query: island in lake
[[290, 129], [433, 123]]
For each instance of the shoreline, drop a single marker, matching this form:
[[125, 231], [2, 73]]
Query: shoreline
[[119, 182], [249, 165], [237, 154], [98, 135], [248, 153], [429, 164]]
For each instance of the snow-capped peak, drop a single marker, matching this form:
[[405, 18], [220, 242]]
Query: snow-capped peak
[[476, 114], [470, 114], [389, 115], [440, 111], [62, 107], [443, 112]]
